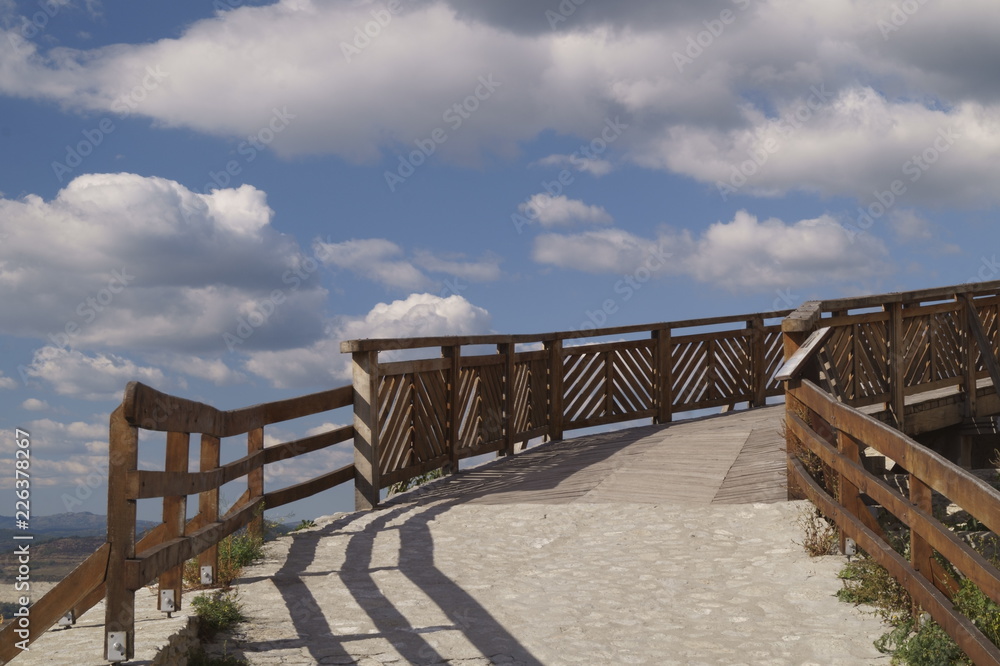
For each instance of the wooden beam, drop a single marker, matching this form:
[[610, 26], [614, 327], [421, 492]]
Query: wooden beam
[[555, 350], [985, 348], [366, 430], [123, 457], [174, 518], [255, 479], [663, 394], [796, 362], [208, 504]]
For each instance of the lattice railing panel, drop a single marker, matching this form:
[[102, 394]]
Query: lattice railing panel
[[774, 356], [733, 366], [946, 344], [480, 405], [689, 369], [585, 385], [871, 356], [917, 350], [530, 395], [632, 380], [412, 419], [988, 316]]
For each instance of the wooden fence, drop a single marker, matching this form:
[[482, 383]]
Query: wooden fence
[[417, 415], [409, 417], [914, 343]]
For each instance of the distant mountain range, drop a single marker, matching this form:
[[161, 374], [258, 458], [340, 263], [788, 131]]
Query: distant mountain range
[[81, 524]]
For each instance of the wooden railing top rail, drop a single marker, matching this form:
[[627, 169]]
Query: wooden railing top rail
[[386, 344], [805, 317], [145, 407]]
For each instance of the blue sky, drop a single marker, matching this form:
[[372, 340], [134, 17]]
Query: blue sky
[[330, 170]]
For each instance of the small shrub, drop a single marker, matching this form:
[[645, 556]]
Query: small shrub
[[236, 551], [305, 524], [419, 480], [217, 612], [868, 582], [820, 536], [928, 645]]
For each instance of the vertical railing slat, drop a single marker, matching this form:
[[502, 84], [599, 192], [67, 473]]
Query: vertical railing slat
[[208, 509], [119, 612], [255, 481], [174, 517], [554, 348]]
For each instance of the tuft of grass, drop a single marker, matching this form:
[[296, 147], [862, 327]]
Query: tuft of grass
[[236, 551], [868, 582], [305, 524], [217, 612], [821, 537], [415, 481]]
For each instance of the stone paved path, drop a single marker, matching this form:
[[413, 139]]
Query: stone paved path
[[612, 554]]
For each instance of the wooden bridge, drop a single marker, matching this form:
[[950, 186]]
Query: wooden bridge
[[867, 373]]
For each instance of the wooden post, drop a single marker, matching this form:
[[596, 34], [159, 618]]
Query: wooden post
[[896, 359], [119, 612], [453, 404], [174, 518], [507, 350], [850, 496], [968, 359], [921, 554], [367, 483], [663, 394], [255, 482], [554, 348], [758, 365], [208, 509], [795, 329]]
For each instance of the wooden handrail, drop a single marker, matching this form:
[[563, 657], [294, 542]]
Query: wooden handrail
[[388, 344]]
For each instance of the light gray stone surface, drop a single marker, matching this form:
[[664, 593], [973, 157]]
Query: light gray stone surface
[[159, 640], [448, 582]]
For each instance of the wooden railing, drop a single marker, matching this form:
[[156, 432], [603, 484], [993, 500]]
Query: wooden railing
[[417, 415], [917, 342], [409, 417], [123, 565]]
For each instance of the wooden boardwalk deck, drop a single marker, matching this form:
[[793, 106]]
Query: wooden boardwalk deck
[[733, 458]]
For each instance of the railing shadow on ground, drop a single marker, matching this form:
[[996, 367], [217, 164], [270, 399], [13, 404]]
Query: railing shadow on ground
[[415, 562]]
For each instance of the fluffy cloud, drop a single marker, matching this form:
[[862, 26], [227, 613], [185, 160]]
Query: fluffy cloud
[[685, 106], [743, 255], [417, 315], [125, 261], [96, 377], [383, 262], [7, 382], [34, 405], [601, 251], [550, 211]]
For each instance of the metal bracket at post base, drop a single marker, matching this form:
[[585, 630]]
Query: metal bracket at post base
[[117, 646], [207, 575]]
